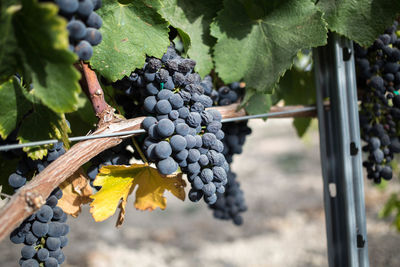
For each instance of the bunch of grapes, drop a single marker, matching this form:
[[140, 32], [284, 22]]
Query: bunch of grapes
[[230, 94], [378, 78], [83, 25], [44, 232], [132, 92], [235, 137], [235, 132], [231, 203], [181, 132]]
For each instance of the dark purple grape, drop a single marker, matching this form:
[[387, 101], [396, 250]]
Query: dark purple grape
[[93, 36], [84, 50], [77, 30], [94, 21], [85, 8]]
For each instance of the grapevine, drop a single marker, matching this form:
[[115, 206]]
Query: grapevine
[[174, 70]]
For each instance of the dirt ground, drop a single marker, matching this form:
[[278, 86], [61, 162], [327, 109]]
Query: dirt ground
[[284, 226]]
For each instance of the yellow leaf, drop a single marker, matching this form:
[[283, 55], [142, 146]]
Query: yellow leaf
[[76, 192], [119, 181]]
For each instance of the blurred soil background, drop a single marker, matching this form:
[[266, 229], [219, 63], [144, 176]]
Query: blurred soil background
[[284, 226]]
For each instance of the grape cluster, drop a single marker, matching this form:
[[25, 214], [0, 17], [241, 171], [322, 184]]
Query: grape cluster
[[181, 132], [44, 232], [229, 94], [235, 137], [235, 132], [378, 77], [231, 203], [83, 25], [133, 91]]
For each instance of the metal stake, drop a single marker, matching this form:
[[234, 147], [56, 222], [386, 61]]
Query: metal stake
[[340, 150]]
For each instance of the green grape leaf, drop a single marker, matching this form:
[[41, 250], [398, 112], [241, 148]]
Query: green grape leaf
[[297, 87], [360, 20], [301, 125], [192, 18], [43, 40], [130, 31], [261, 47], [8, 44], [185, 41], [14, 105], [256, 102], [42, 124]]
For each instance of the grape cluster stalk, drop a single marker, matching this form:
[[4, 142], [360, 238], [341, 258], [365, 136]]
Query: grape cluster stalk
[[378, 79], [44, 232]]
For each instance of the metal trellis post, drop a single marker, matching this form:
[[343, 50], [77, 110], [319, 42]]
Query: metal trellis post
[[340, 151]]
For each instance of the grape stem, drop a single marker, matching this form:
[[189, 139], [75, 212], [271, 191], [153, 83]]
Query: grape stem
[[95, 93], [40, 187], [135, 143]]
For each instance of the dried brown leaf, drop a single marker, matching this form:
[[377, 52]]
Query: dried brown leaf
[[76, 192]]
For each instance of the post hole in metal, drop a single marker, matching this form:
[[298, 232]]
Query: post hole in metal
[[353, 149], [360, 241], [346, 53], [332, 189]]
